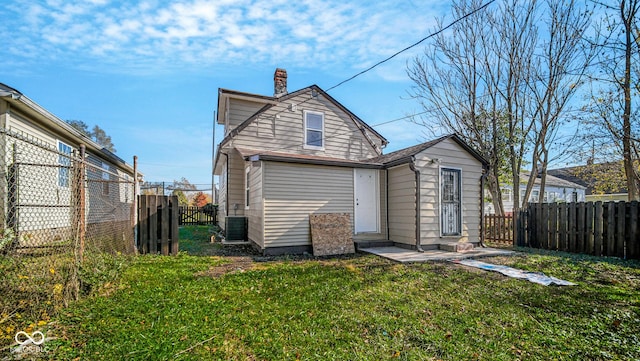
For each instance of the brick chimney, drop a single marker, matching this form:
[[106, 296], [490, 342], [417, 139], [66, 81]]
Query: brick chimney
[[279, 82]]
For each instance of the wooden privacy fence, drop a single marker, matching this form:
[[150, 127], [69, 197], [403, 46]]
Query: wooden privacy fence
[[198, 215], [595, 228], [498, 229], [158, 224]]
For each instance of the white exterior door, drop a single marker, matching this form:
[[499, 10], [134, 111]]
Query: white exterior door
[[366, 200]]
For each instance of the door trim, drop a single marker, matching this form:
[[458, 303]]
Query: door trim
[[377, 200], [460, 202]]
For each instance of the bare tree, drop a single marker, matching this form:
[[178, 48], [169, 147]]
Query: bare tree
[[558, 72], [473, 83], [615, 121]]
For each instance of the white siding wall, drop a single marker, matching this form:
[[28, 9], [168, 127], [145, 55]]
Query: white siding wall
[[292, 192], [38, 185], [449, 155], [402, 205], [235, 188], [255, 211], [222, 193], [281, 129], [239, 111]]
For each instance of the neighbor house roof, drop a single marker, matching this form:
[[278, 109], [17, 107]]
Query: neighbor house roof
[[405, 155], [551, 181], [586, 175]]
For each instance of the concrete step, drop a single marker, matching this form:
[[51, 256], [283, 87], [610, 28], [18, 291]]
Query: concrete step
[[375, 243], [456, 247]]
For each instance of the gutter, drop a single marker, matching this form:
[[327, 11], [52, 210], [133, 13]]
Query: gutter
[[226, 193], [412, 166], [386, 202]]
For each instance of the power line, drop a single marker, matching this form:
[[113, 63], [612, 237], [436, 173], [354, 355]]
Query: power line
[[412, 45]]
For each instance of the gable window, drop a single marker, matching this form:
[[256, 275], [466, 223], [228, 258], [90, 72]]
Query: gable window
[[105, 179], [64, 160], [450, 202], [313, 130]]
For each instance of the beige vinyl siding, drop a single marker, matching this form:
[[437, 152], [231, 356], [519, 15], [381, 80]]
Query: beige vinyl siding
[[235, 188], [449, 155], [293, 191], [222, 193], [254, 212], [402, 205], [239, 111], [383, 212], [342, 138]]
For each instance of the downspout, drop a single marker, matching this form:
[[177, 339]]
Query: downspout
[[226, 195], [412, 166], [483, 179], [386, 202]]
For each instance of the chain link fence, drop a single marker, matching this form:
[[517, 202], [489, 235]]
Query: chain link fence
[[66, 227]]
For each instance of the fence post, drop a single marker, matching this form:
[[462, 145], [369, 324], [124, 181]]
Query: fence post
[[553, 226], [174, 217], [134, 205], [633, 243], [620, 228], [78, 182], [580, 222], [589, 228], [598, 220], [163, 206], [544, 229], [611, 228]]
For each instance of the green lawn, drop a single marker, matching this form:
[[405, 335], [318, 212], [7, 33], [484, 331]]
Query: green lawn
[[193, 307]]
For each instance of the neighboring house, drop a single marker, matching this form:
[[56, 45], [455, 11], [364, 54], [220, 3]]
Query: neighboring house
[[610, 186], [294, 154], [555, 190], [37, 151]]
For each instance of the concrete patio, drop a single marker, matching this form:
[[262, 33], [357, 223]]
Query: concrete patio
[[403, 255]]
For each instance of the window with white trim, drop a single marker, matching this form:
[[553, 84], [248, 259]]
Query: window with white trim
[[105, 179], [313, 130], [64, 160], [506, 194]]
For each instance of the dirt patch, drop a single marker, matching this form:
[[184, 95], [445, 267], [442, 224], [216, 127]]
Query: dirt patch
[[235, 264]]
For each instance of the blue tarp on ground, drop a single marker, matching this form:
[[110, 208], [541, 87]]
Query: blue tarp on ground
[[535, 277]]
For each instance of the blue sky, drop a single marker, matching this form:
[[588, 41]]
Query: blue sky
[[148, 72]]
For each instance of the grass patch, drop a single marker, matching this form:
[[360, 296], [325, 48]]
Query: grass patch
[[356, 308], [197, 240]]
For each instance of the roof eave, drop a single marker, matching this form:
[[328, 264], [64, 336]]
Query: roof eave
[[59, 125]]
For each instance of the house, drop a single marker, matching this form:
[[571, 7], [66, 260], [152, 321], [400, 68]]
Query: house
[[603, 181], [290, 155], [39, 162], [556, 190]]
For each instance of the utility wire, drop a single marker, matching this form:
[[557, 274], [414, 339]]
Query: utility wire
[[413, 45]]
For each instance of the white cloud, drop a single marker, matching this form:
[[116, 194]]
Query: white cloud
[[307, 33]]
